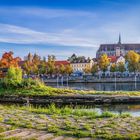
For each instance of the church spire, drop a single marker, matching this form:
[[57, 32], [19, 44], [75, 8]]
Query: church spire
[[119, 42]]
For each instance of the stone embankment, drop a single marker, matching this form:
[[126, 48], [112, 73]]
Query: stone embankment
[[71, 99], [95, 80]]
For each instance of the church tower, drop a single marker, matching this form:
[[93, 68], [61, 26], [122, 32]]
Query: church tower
[[119, 42], [118, 48]]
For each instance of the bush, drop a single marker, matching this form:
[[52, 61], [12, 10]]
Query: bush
[[29, 83], [13, 78]]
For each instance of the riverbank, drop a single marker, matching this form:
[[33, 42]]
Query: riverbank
[[46, 95], [50, 91], [70, 99], [65, 123]]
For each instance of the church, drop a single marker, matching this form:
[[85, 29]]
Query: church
[[117, 50]]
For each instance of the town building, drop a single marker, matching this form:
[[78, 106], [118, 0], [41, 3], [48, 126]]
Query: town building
[[116, 60], [118, 49], [63, 62], [81, 65]]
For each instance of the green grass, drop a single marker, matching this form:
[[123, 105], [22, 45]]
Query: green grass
[[46, 90], [67, 121]]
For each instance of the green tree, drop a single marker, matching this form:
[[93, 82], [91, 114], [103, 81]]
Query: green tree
[[13, 77], [104, 62]]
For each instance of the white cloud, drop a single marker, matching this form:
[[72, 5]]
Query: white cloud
[[21, 35], [46, 12]]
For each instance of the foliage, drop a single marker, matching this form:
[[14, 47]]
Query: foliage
[[33, 64], [43, 66], [74, 58], [121, 67], [62, 69], [87, 69], [133, 59], [104, 62], [94, 69], [68, 69], [8, 60], [13, 77], [113, 67], [14, 80], [51, 65]]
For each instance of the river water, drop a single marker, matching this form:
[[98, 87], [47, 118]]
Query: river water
[[132, 109], [99, 86]]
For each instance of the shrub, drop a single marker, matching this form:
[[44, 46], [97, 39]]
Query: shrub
[[13, 78], [31, 83]]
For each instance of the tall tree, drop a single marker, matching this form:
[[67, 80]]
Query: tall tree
[[104, 62], [62, 69], [113, 68], [133, 59], [87, 70], [51, 64], [68, 69], [43, 66], [32, 64], [121, 67], [8, 60], [94, 69]]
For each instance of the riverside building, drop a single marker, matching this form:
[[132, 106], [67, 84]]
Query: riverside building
[[117, 50]]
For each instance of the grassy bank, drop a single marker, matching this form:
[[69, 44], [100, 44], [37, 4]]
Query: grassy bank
[[46, 90], [16, 85], [76, 123]]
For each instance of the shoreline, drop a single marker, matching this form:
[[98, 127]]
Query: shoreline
[[70, 99]]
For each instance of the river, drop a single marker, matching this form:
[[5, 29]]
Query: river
[[100, 86]]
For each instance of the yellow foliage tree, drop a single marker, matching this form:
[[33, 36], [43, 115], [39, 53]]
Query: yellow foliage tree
[[87, 69], [133, 59], [104, 62]]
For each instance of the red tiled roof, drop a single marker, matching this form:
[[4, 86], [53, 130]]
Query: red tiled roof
[[57, 63], [21, 63], [112, 58]]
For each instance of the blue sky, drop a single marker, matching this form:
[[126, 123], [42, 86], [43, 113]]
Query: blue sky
[[63, 27]]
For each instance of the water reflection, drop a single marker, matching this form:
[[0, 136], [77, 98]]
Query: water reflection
[[133, 109], [99, 86]]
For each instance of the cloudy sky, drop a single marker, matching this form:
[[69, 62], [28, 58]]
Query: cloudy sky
[[63, 27]]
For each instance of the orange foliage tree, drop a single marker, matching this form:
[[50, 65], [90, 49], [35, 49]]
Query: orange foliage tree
[[8, 60]]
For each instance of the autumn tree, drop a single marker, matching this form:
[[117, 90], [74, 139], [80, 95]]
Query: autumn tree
[[133, 59], [87, 69], [43, 66], [33, 64], [104, 62], [113, 68], [121, 67], [62, 69], [68, 69], [51, 64], [8, 60], [94, 69]]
